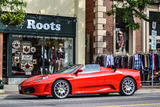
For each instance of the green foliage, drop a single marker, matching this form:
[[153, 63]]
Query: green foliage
[[14, 14], [130, 9]]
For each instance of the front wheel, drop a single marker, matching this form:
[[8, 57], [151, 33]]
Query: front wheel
[[127, 86], [60, 89]]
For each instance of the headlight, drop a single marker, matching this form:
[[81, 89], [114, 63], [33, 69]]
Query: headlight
[[42, 78]]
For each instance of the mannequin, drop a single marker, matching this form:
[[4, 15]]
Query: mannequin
[[43, 56], [52, 59], [45, 53], [60, 56], [120, 41]]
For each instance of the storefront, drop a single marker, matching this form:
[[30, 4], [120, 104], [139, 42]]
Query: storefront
[[42, 45], [113, 44]]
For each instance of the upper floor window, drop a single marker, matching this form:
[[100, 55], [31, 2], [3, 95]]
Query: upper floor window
[[155, 16]]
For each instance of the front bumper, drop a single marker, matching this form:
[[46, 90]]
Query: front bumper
[[43, 89]]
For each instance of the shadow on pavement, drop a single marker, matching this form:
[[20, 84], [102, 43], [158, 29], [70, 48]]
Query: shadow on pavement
[[31, 97]]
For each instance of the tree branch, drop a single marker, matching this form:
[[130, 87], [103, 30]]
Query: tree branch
[[143, 17]]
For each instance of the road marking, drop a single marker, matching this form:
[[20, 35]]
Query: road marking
[[132, 105]]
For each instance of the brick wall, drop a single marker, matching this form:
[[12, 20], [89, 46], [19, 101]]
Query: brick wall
[[91, 28], [109, 27], [90, 15], [139, 36]]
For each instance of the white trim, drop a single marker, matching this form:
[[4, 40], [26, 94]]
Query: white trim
[[99, 50], [99, 2], [98, 38], [99, 44], [143, 36], [99, 9]]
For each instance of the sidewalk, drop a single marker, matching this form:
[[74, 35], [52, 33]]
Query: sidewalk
[[148, 90]]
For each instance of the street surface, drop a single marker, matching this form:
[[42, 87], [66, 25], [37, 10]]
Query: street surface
[[142, 98]]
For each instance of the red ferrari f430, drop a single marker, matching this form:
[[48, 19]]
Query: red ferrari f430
[[83, 79]]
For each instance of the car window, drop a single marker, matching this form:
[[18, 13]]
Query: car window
[[67, 70], [90, 68]]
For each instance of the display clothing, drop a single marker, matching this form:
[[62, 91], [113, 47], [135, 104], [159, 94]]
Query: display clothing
[[138, 62], [131, 62], [60, 54], [109, 61], [118, 61], [141, 62], [45, 53], [60, 57]]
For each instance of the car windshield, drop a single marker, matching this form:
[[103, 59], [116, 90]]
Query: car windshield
[[90, 68], [68, 69]]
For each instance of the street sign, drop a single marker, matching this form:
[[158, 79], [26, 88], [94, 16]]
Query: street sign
[[153, 25], [153, 45]]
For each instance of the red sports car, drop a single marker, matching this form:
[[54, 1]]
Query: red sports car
[[83, 79]]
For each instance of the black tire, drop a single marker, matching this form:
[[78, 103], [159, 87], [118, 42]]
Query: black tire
[[127, 86], [60, 89]]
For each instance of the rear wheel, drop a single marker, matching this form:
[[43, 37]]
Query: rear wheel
[[127, 86], [60, 89]]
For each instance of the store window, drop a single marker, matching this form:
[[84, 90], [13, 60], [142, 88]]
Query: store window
[[121, 36], [33, 55]]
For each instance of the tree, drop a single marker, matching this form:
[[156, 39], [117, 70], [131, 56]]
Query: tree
[[12, 12], [130, 9]]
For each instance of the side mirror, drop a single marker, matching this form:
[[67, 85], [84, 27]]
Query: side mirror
[[115, 68], [80, 70]]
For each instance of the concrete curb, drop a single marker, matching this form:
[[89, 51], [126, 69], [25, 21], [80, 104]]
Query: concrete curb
[[2, 91]]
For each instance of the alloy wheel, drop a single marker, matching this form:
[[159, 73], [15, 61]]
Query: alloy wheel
[[128, 86], [61, 89]]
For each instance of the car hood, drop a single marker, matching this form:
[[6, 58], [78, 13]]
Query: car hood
[[35, 79]]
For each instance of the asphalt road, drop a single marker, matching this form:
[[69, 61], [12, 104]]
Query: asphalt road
[[139, 99]]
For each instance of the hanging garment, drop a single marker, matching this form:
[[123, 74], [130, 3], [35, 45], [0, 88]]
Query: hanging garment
[[146, 62], [148, 59], [143, 61], [125, 62], [158, 62], [103, 61], [153, 61], [118, 62], [138, 62], [130, 62], [109, 61], [98, 60]]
